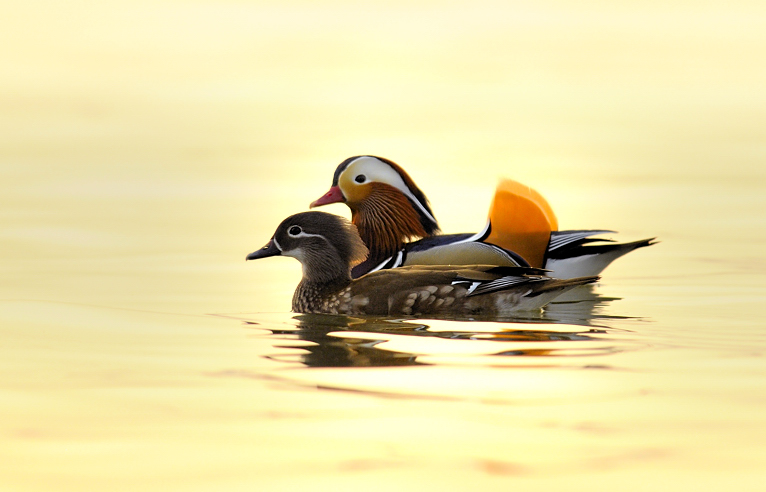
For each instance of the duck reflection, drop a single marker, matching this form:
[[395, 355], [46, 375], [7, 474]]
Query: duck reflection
[[580, 306], [336, 351], [342, 341]]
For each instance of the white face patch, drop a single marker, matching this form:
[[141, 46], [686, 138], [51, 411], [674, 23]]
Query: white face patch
[[372, 169], [296, 253]]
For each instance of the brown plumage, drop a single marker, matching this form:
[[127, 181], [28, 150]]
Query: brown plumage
[[327, 246], [385, 220]]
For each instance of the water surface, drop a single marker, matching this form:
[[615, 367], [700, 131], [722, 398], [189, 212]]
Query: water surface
[[147, 147]]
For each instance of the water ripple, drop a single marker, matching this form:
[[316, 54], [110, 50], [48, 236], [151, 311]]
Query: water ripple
[[338, 352]]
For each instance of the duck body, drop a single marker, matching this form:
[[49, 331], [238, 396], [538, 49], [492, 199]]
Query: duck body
[[474, 290], [396, 223], [327, 246], [443, 249]]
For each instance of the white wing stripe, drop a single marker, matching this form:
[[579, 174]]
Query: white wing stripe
[[562, 239], [475, 237], [381, 265]]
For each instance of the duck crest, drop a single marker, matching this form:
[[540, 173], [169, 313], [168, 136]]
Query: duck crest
[[386, 220]]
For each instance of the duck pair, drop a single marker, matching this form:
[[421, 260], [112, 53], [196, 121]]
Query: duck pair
[[392, 261]]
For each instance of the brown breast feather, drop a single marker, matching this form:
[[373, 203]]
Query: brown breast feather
[[386, 220]]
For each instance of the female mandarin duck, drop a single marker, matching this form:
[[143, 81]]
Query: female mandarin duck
[[389, 210], [328, 246]]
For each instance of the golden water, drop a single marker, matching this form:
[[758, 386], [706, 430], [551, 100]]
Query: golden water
[[147, 147]]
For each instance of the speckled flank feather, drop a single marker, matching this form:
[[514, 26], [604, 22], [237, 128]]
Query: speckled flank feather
[[423, 290], [311, 298]]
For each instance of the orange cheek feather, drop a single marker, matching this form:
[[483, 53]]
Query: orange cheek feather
[[354, 192]]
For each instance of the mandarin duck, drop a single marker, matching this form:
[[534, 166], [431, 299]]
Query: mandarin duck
[[329, 245], [396, 223]]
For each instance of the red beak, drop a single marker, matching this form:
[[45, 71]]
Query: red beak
[[332, 196]]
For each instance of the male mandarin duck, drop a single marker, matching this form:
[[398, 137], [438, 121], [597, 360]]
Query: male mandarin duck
[[329, 245], [392, 213]]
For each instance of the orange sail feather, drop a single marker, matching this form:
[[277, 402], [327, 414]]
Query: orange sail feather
[[522, 221]]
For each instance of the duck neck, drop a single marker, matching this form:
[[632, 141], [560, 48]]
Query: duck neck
[[323, 275], [386, 220]]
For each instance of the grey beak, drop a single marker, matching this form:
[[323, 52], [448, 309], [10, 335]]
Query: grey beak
[[269, 250]]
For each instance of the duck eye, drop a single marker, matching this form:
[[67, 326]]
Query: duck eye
[[360, 178], [294, 231]]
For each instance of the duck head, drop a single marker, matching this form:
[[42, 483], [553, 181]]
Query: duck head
[[386, 205], [327, 246]]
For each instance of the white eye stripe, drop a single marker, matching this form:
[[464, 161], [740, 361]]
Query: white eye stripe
[[297, 252], [376, 170], [306, 234]]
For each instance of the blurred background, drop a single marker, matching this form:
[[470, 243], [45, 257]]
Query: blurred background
[[159, 133], [147, 146]]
